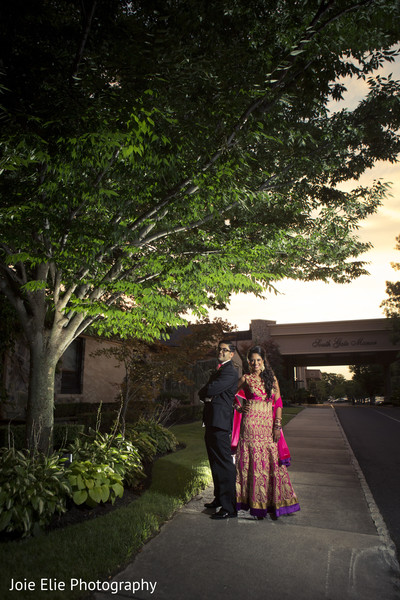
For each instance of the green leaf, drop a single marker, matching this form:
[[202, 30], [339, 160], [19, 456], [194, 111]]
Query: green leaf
[[5, 518], [105, 493], [80, 497], [118, 489]]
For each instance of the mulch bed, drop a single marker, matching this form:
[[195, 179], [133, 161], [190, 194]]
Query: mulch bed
[[77, 514]]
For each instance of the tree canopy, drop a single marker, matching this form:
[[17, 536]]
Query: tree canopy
[[391, 304], [157, 156]]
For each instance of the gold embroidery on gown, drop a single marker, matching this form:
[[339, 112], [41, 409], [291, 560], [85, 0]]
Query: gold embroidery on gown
[[262, 484]]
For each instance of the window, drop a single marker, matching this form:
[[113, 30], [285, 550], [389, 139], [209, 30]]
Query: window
[[72, 368]]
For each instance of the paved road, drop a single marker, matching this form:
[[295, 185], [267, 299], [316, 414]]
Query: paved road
[[374, 435]]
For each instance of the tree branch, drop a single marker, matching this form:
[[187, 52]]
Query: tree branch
[[264, 103], [81, 49], [12, 275], [96, 184], [16, 302], [181, 228]]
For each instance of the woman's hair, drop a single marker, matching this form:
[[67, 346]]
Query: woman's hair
[[267, 375]]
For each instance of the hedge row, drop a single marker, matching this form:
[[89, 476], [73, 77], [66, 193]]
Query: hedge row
[[66, 433], [14, 435]]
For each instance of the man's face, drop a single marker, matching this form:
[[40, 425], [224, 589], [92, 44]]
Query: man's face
[[224, 353]]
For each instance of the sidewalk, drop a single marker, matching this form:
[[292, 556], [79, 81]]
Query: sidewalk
[[331, 549]]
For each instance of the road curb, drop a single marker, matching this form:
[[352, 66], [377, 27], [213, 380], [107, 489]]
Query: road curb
[[383, 532]]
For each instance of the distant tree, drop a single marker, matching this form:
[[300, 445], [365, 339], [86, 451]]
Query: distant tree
[[391, 305], [319, 389], [157, 156], [369, 379], [395, 383], [335, 384]]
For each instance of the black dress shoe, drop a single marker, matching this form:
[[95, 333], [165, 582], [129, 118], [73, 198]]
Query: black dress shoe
[[213, 504], [224, 514]]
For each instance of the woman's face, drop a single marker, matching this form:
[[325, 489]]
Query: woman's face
[[256, 363]]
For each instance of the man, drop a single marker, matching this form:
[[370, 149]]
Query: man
[[218, 396]]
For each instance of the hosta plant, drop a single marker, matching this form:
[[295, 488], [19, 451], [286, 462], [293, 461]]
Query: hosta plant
[[32, 490], [92, 484], [114, 450], [163, 439]]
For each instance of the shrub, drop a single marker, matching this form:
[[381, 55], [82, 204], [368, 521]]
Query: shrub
[[102, 421], [143, 442], [94, 483], [164, 440], [139, 409], [114, 450], [186, 414], [13, 436], [32, 490], [65, 434], [75, 409]]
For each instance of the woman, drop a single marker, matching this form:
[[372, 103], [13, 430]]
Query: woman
[[262, 480]]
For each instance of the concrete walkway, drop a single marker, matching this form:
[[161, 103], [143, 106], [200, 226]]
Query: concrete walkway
[[335, 548]]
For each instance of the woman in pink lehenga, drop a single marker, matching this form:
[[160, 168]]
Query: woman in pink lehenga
[[262, 479]]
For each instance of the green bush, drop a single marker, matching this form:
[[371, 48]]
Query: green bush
[[140, 409], [75, 409], [103, 422], [94, 483], [114, 450], [66, 433], [186, 414], [165, 440], [13, 436], [143, 442], [32, 490]]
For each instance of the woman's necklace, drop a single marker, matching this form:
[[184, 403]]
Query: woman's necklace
[[256, 378]]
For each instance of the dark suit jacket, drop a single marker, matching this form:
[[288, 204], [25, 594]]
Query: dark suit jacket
[[221, 387]]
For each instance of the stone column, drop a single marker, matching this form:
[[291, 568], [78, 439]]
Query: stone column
[[260, 330], [301, 379]]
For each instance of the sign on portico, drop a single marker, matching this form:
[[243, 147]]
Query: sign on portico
[[340, 342]]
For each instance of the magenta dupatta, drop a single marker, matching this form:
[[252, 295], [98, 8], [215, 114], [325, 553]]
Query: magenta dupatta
[[283, 450]]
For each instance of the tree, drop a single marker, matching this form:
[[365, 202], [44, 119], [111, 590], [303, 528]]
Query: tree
[[159, 155], [319, 389], [335, 383], [369, 378], [149, 365], [391, 305]]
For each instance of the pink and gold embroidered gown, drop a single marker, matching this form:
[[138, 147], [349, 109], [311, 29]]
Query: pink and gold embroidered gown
[[262, 482]]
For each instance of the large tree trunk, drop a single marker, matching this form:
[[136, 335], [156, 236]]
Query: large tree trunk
[[40, 415]]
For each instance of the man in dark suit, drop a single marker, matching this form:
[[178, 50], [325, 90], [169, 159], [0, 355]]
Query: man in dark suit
[[218, 396]]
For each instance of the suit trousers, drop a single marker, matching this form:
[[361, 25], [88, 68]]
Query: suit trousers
[[218, 444]]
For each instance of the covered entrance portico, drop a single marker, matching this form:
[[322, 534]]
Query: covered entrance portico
[[364, 341]]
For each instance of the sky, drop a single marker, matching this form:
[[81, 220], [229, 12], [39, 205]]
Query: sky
[[304, 302]]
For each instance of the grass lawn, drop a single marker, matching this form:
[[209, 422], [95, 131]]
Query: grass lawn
[[98, 548], [289, 412]]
